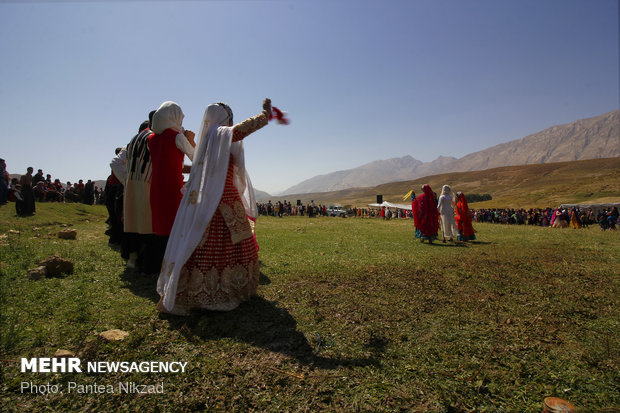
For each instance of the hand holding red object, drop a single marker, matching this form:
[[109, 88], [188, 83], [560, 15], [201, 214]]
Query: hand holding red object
[[278, 115]]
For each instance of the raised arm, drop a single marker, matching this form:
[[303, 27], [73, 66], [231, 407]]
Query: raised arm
[[248, 126]]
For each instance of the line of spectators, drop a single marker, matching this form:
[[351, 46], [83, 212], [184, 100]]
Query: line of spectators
[[30, 188], [606, 218], [280, 209]]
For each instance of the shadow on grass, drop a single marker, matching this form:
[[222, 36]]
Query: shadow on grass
[[449, 244], [258, 322], [263, 324], [140, 285], [458, 244], [263, 279]]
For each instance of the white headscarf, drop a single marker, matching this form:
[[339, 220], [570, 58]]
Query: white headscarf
[[203, 194], [169, 115], [446, 190]]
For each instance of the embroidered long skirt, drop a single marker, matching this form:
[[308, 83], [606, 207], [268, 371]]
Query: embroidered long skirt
[[223, 270]]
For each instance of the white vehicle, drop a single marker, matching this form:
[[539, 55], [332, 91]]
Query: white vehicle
[[336, 211]]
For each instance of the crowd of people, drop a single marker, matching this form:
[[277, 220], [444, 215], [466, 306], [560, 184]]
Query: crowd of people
[[31, 188], [606, 218], [280, 209], [284, 208]]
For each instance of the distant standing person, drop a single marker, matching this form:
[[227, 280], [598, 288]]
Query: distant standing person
[[28, 207], [445, 206], [575, 221], [37, 177], [89, 192], [113, 200], [417, 231], [463, 219], [425, 215], [80, 190], [4, 183]]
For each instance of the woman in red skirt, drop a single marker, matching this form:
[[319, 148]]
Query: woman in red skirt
[[425, 215], [463, 219], [211, 260]]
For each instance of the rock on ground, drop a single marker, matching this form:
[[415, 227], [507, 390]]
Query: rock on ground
[[63, 353], [67, 234], [56, 266], [37, 273], [114, 335]]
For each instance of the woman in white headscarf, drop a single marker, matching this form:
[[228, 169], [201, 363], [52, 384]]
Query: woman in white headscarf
[[445, 206], [168, 146], [211, 260]]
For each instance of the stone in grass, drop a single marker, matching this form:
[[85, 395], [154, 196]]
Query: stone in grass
[[37, 273], [56, 266], [114, 335], [67, 234], [63, 353]]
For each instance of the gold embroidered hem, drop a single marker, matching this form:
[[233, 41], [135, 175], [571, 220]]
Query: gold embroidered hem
[[216, 290]]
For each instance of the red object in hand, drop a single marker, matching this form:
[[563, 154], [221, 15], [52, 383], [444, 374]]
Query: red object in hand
[[279, 116]]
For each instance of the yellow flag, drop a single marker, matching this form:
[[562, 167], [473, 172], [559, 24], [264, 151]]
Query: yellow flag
[[408, 195]]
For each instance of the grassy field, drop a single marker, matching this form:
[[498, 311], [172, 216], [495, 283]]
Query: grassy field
[[351, 315]]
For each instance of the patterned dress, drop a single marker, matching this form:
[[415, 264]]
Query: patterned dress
[[137, 205], [223, 270]]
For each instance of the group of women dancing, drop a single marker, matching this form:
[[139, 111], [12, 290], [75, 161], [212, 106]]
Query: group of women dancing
[[453, 214]]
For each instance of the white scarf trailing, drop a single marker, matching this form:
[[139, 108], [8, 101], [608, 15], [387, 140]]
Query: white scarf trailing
[[202, 196]]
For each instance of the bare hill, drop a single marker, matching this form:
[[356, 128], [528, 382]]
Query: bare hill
[[592, 138], [261, 194], [538, 185], [597, 137], [373, 173]]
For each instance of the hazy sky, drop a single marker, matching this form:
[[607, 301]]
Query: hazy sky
[[361, 80]]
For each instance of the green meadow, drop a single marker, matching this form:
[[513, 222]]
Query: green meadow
[[351, 315]]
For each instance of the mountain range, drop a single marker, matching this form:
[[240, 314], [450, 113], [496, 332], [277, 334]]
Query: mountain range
[[541, 185], [591, 138]]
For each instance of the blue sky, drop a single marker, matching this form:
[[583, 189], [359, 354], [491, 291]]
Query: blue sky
[[361, 80]]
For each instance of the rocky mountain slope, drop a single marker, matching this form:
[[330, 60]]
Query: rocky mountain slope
[[597, 137]]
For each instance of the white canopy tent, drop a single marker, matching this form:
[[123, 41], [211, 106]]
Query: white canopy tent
[[391, 205]]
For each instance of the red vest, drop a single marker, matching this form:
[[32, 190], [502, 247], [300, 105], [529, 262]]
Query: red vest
[[166, 181]]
